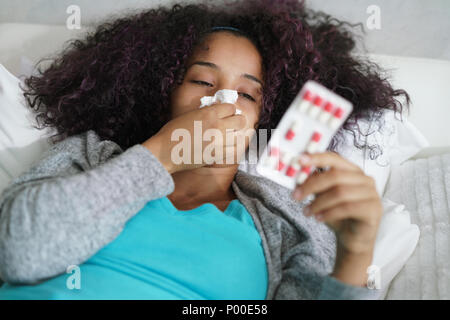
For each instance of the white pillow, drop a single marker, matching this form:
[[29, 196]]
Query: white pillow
[[20, 142], [398, 139]]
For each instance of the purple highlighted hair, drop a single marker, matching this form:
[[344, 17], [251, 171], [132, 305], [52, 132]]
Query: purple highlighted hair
[[117, 81]]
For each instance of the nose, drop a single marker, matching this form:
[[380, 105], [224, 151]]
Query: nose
[[222, 96]]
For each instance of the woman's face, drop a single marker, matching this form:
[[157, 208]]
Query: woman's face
[[223, 61]]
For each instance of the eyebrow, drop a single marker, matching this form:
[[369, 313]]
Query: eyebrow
[[216, 67]]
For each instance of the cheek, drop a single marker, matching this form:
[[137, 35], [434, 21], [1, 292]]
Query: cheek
[[253, 115], [183, 101]]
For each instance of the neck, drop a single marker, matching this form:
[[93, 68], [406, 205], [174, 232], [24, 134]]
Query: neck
[[205, 184]]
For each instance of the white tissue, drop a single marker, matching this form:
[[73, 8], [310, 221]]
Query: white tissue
[[222, 96]]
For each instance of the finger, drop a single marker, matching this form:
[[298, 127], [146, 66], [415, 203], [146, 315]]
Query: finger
[[338, 195], [320, 182], [236, 122], [328, 159], [231, 138], [240, 138], [351, 210], [223, 110]]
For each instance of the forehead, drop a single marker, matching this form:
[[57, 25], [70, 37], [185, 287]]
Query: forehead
[[229, 51]]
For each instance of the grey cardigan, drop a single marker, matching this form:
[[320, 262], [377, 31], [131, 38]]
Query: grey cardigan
[[78, 197]]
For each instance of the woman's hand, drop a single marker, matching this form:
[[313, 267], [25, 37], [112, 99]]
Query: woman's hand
[[345, 199], [219, 117], [348, 202]]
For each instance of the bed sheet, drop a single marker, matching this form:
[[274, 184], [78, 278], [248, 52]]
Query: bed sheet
[[423, 186]]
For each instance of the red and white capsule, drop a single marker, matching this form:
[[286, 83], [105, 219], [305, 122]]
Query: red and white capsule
[[314, 142], [285, 159], [306, 102], [316, 107], [293, 130], [325, 114], [304, 173], [293, 168], [336, 119]]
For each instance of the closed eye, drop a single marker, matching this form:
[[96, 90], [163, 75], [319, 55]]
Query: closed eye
[[249, 97], [202, 82]]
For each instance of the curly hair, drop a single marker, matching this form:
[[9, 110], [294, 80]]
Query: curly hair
[[118, 79]]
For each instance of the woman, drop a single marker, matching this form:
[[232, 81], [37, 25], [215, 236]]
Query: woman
[[109, 198]]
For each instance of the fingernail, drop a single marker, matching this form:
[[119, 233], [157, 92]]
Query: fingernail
[[297, 194], [304, 158]]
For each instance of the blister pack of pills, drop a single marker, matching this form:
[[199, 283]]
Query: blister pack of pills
[[309, 124]]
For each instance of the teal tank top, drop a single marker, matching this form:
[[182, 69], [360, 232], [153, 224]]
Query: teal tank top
[[166, 253]]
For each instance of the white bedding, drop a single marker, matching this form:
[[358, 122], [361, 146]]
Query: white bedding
[[423, 186]]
